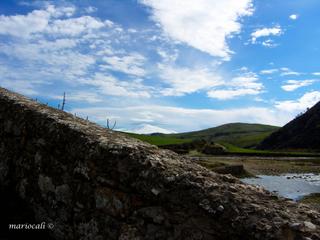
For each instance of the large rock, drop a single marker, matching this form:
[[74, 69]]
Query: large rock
[[93, 183], [235, 170]]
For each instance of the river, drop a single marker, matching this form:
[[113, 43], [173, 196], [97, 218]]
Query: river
[[293, 186]]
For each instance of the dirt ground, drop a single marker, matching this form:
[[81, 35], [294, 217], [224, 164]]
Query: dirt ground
[[266, 165]]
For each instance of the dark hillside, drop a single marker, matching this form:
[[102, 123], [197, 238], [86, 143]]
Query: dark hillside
[[301, 133]]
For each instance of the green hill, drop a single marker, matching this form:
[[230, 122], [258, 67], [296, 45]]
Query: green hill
[[159, 139], [243, 135], [239, 134]]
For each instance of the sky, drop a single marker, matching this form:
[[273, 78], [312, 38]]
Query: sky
[[165, 66]]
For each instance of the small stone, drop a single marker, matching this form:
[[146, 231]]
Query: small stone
[[205, 204], [155, 191], [220, 208], [79, 205], [170, 179], [45, 184], [309, 225], [267, 227], [295, 226], [63, 193]]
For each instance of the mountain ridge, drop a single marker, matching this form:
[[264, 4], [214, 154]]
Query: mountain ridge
[[302, 133], [239, 134]]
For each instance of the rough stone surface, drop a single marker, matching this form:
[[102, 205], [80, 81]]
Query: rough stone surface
[[93, 183], [235, 170]]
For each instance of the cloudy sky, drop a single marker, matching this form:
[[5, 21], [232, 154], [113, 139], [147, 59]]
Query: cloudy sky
[[165, 66]]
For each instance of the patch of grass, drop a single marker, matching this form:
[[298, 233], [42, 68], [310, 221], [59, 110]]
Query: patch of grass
[[311, 198], [232, 149], [158, 140], [212, 165], [239, 134], [235, 149], [249, 140]]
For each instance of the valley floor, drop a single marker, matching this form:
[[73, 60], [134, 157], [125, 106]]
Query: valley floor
[[255, 165], [264, 165]]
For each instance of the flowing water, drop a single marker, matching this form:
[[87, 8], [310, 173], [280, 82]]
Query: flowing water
[[293, 186]]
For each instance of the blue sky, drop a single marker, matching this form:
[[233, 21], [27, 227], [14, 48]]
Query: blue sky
[[165, 66]]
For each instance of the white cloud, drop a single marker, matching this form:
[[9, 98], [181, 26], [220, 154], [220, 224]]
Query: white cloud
[[130, 64], [269, 43], [269, 71], [183, 119], [90, 9], [182, 81], [316, 73], [301, 104], [292, 85], [24, 87], [288, 72], [65, 49], [23, 25], [34, 22], [112, 86], [245, 84], [168, 57], [57, 44], [74, 26], [147, 129], [202, 24], [231, 93], [80, 96], [293, 16], [265, 32], [284, 71]]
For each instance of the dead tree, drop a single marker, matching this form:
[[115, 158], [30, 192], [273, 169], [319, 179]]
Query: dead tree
[[63, 101], [108, 124]]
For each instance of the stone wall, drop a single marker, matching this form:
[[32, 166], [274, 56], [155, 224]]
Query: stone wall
[[93, 183]]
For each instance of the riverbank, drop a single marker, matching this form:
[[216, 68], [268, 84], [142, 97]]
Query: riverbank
[[257, 165], [312, 199], [272, 167]]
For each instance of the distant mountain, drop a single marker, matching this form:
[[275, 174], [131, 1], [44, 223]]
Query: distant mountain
[[302, 133], [239, 134], [150, 129]]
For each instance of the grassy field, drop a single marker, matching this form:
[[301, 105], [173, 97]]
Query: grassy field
[[248, 140], [162, 139], [232, 149], [239, 134], [313, 200], [158, 140], [242, 135]]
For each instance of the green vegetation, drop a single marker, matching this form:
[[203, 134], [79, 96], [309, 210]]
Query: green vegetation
[[239, 134], [313, 198], [237, 138], [249, 140], [159, 140], [235, 150]]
